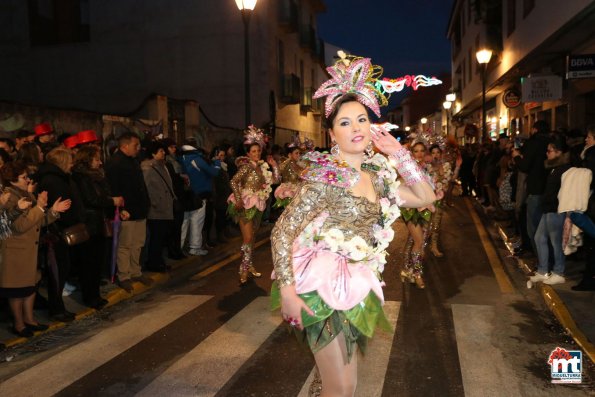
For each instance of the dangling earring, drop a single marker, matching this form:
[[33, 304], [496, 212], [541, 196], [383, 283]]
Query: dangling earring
[[369, 151], [335, 150]]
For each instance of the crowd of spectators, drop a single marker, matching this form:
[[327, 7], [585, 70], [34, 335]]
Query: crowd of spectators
[[60, 201], [543, 186]]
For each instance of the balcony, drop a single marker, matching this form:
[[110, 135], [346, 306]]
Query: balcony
[[306, 102], [288, 16], [320, 52], [289, 89], [308, 38]]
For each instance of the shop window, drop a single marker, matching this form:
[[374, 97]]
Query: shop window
[[54, 22]]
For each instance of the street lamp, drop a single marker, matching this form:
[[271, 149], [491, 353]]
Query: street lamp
[[246, 7], [483, 58], [447, 105]]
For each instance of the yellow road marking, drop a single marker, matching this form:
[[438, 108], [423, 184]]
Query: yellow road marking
[[501, 276], [224, 262]]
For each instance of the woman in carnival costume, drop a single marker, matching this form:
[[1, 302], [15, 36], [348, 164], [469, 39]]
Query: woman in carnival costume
[[251, 187], [290, 170], [417, 221], [441, 173], [329, 245]]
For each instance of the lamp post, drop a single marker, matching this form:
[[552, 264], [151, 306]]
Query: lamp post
[[446, 105], [423, 123], [246, 7], [483, 58]]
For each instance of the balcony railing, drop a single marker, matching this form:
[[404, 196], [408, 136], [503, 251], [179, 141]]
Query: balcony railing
[[290, 89]]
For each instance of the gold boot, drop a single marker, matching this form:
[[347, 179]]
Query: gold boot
[[434, 233], [417, 269], [247, 249], [246, 264], [316, 385]]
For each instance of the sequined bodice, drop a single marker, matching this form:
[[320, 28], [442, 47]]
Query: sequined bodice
[[353, 215], [248, 177], [290, 171]]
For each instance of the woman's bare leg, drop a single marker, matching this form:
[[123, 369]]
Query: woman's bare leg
[[339, 377], [16, 307]]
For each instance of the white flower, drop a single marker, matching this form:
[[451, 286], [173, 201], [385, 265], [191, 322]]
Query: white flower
[[334, 238], [357, 248]]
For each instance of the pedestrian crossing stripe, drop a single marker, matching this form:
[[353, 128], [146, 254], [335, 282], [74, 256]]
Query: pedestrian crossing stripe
[[208, 367]]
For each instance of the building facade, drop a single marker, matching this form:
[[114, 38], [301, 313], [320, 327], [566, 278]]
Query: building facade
[[527, 77], [124, 57]]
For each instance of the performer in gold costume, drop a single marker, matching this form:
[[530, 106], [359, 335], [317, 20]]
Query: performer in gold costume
[[290, 170], [329, 245], [251, 187], [441, 173]]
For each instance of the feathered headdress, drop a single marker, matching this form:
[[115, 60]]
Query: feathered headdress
[[308, 144], [295, 142], [356, 75], [254, 135]]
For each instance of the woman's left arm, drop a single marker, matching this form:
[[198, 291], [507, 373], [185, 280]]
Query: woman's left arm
[[418, 192]]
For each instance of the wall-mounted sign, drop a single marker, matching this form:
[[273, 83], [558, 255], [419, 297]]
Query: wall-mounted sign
[[541, 88], [580, 66], [511, 98]]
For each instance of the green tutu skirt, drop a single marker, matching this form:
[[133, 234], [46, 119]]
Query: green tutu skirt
[[415, 216], [357, 324]]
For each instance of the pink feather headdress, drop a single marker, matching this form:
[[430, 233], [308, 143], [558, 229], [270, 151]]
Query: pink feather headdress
[[355, 75], [254, 135]]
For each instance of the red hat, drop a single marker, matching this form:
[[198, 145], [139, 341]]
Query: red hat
[[43, 129], [87, 136], [71, 141]]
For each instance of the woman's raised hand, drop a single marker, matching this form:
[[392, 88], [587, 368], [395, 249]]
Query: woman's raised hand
[[292, 306], [4, 198], [383, 140], [42, 200], [61, 205], [124, 215], [24, 203]]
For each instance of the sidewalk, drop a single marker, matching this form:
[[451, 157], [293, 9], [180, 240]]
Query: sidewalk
[[575, 310], [221, 255]]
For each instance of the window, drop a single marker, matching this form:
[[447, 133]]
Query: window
[[527, 7], [58, 21], [464, 73], [281, 57], [510, 17]]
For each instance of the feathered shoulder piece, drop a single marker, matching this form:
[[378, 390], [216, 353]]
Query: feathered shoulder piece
[[326, 168]]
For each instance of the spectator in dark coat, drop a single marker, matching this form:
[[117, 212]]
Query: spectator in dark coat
[[55, 178], [530, 160], [126, 179], [174, 169], [99, 205]]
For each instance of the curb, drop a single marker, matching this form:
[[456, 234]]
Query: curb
[[118, 295], [555, 304]]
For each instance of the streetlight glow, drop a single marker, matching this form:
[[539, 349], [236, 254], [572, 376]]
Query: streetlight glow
[[407, 128], [483, 56], [451, 97], [424, 120], [246, 4], [446, 104]]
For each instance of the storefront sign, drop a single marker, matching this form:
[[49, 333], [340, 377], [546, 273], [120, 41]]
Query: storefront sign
[[541, 88], [511, 98], [580, 66]]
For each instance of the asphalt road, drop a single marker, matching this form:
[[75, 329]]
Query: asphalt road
[[469, 333]]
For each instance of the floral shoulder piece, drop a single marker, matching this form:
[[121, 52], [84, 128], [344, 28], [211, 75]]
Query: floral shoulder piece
[[242, 160], [326, 168]]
